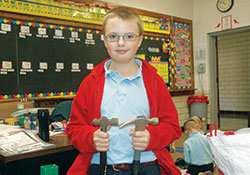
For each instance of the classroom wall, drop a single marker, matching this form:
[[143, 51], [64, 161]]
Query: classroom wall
[[206, 18]]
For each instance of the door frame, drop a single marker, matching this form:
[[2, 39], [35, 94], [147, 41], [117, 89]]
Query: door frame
[[213, 73]]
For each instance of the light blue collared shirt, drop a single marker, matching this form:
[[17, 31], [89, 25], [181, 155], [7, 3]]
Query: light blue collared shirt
[[197, 150], [123, 98]]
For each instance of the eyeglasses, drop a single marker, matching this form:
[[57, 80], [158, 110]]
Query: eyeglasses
[[129, 37]]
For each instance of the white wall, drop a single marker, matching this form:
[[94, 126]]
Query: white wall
[[206, 18]]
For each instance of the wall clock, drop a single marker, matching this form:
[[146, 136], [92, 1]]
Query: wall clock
[[224, 5]]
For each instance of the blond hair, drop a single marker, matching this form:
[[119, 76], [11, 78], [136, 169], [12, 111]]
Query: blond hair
[[126, 14], [190, 124], [198, 121]]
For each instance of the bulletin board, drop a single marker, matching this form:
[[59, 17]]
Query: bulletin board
[[182, 55], [50, 57]]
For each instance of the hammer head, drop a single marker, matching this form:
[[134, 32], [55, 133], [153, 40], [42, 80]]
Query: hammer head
[[104, 122], [140, 122]]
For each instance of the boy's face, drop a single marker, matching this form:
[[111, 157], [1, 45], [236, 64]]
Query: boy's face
[[122, 51]]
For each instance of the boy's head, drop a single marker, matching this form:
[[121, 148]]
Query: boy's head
[[190, 126], [124, 13], [200, 120]]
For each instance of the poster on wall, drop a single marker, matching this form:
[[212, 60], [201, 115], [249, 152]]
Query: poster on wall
[[182, 56]]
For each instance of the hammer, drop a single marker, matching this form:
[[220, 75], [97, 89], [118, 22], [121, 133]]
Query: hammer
[[104, 122], [140, 122]]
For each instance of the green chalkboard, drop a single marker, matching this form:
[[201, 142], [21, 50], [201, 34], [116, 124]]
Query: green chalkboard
[[8, 58], [46, 59]]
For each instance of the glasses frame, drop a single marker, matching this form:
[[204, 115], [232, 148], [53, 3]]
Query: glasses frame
[[123, 37]]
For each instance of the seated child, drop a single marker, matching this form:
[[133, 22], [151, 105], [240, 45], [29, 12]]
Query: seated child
[[180, 161], [196, 149]]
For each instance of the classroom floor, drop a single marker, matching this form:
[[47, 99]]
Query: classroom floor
[[179, 152]]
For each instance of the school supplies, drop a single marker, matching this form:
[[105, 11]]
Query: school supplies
[[12, 121]]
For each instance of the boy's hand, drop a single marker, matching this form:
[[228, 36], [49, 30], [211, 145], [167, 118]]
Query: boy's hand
[[101, 140], [140, 139], [173, 148]]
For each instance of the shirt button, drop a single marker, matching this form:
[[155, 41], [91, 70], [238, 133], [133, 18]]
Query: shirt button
[[122, 97]]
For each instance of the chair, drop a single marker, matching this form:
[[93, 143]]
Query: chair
[[61, 111]]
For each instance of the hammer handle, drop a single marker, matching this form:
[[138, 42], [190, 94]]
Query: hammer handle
[[137, 154], [103, 164], [103, 157], [136, 167]]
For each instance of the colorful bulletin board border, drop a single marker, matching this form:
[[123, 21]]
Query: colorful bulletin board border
[[75, 12], [155, 38], [32, 95], [33, 24], [182, 56], [170, 74]]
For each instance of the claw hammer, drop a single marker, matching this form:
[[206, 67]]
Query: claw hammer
[[104, 122], [140, 122]]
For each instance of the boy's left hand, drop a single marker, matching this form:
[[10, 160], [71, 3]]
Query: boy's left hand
[[140, 139]]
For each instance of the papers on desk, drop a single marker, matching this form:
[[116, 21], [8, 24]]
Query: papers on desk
[[21, 141], [8, 128]]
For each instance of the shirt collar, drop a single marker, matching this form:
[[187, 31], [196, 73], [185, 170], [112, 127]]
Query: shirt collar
[[113, 73], [193, 133]]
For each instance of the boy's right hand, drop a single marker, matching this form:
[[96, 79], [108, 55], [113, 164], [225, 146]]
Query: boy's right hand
[[101, 140]]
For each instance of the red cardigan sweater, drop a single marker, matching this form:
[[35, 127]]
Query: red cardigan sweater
[[86, 107]]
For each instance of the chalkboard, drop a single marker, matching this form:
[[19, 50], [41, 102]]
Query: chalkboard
[[46, 59], [8, 57]]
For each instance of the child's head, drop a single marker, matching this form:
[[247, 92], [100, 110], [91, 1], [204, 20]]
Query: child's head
[[190, 126], [122, 29], [199, 120], [126, 14]]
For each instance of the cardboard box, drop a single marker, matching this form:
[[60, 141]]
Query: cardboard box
[[7, 107]]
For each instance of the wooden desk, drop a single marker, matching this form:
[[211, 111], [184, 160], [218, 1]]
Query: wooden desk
[[63, 155]]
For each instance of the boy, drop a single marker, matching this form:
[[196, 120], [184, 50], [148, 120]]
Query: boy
[[199, 120], [123, 87], [196, 149]]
